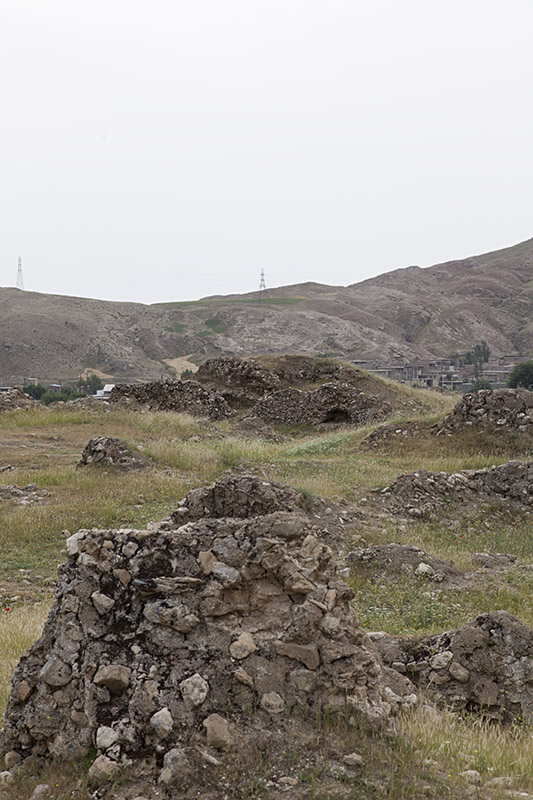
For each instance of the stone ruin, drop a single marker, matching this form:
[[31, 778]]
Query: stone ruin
[[487, 666], [188, 397], [240, 382], [107, 451], [499, 408], [168, 647], [14, 399], [332, 403], [421, 493]]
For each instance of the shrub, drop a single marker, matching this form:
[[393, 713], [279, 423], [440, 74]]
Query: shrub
[[521, 376]]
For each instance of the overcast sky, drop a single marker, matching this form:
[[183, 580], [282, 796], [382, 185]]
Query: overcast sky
[[169, 149]]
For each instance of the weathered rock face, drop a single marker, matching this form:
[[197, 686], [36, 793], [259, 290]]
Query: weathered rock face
[[107, 451], [486, 666], [15, 398], [173, 645], [420, 493], [241, 383], [334, 403], [508, 408], [183, 396]]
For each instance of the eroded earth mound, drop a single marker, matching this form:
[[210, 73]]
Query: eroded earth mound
[[107, 451], [420, 493], [183, 396], [333, 403], [168, 647], [486, 666], [508, 408]]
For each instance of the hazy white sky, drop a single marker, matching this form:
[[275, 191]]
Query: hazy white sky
[[168, 149]]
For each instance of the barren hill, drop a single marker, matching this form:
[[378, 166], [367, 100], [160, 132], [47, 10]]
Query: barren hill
[[412, 312]]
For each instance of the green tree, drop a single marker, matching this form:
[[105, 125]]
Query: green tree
[[35, 390], [481, 383], [521, 376]]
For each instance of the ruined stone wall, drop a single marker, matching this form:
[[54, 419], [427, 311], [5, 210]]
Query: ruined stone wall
[[171, 645], [509, 408], [419, 493], [337, 403], [183, 396], [240, 382]]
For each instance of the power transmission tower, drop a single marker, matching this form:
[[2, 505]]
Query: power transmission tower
[[262, 286], [20, 279]]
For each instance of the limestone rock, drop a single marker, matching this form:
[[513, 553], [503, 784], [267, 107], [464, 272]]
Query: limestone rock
[[217, 730], [102, 770], [306, 653], [194, 690], [41, 792], [176, 766], [243, 646], [55, 672], [162, 723], [272, 702], [115, 677]]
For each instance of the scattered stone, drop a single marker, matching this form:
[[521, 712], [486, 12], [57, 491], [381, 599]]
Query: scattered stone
[[55, 672], [6, 778], [243, 646], [106, 737], [273, 703], [353, 760], [306, 653], [471, 776], [102, 771], [102, 602], [162, 723], [243, 677], [194, 690], [176, 766], [218, 734], [115, 677], [41, 792], [11, 758]]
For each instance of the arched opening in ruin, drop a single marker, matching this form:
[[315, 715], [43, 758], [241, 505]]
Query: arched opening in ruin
[[337, 415]]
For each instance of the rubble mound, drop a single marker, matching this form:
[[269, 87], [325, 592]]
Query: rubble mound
[[420, 493], [167, 647], [487, 666], [332, 403], [245, 496], [296, 369], [498, 408], [107, 451], [241, 383], [14, 399], [407, 559], [188, 397], [400, 432]]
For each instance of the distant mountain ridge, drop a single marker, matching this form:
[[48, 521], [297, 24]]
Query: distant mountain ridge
[[412, 313]]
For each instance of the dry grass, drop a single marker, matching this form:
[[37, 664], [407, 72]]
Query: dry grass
[[19, 628]]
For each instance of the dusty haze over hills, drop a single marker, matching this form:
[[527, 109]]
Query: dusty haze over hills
[[413, 313]]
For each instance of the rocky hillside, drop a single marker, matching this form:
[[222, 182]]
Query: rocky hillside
[[412, 312]]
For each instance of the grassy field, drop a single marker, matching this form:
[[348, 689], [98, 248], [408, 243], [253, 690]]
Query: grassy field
[[428, 751]]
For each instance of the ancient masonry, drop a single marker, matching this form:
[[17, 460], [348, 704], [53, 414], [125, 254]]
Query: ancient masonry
[[331, 403], [508, 408], [187, 397], [169, 646]]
